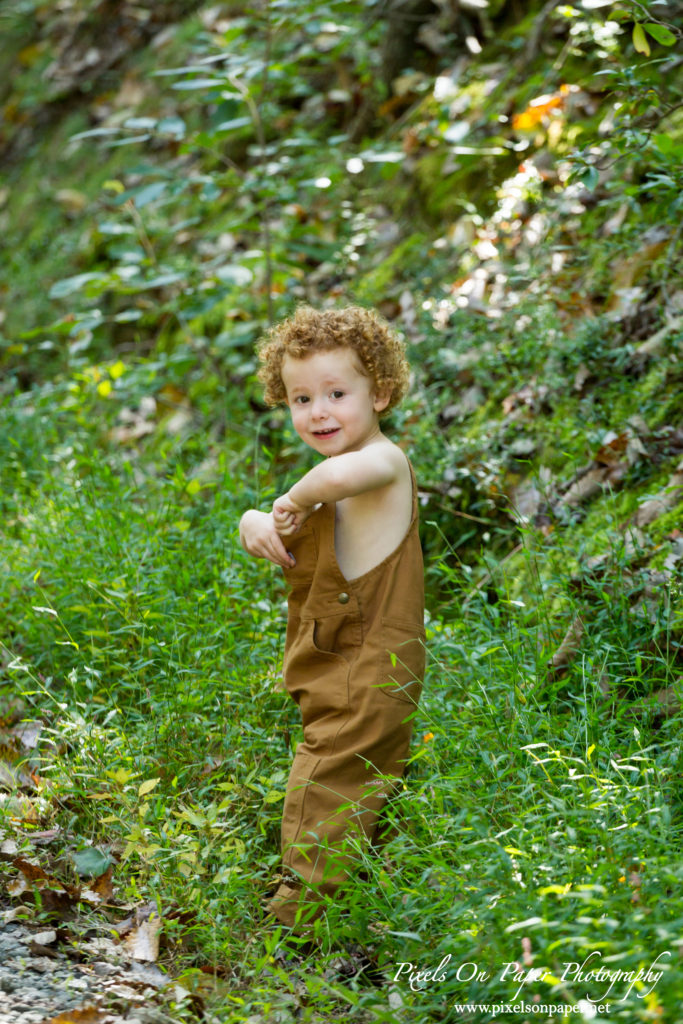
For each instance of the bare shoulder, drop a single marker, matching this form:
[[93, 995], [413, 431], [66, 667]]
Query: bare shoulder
[[392, 459], [371, 525]]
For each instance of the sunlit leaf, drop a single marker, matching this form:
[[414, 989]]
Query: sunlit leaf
[[232, 124], [391, 156], [200, 83], [147, 786], [661, 33], [143, 942], [174, 126], [127, 316], [233, 273], [640, 40], [140, 124], [69, 285], [149, 193]]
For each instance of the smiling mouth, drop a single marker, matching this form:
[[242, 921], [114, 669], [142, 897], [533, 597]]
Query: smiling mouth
[[326, 433]]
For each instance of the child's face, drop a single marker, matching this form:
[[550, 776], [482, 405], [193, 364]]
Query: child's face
[[333, 404]]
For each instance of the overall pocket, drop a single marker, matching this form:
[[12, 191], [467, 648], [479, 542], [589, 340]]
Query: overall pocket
[[338, 635], [318, 680], [402, 662]]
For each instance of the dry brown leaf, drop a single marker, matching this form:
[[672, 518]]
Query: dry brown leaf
[[17, 887], [663, 502], [41, 949], [55, 896], [28, 734], [33, 873], [87, 1014], [629, 269], [526, 501], [569, 647], [581, 377], [101, 890], [143, 941], [6, 916], [43, 838], [9, 849], [586, 487], [612, 448], [103, 884], [652, 347]]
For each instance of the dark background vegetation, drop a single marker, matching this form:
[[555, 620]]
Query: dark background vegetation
[[503, 181]]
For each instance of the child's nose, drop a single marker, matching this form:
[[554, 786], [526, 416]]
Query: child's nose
[[318, 408]]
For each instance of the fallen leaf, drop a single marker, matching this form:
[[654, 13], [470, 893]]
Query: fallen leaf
[[33, 873], [13, 914], [532, 395], [569, 647], [143, 941], [43, 838], [586, 487], [80, 1015], [103, 884], [581, 377], [627, 271], [652, 347], [525, 501], [662, 502], [28, 734], [611, 449]]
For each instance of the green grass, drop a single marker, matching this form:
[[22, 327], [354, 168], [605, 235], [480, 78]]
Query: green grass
[[540, 819], [535, 808]]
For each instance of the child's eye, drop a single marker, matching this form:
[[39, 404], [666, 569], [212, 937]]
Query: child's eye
[[337, 394], [301, 399]]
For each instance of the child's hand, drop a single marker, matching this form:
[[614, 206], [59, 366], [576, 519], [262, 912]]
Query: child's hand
[[289, 517], [284, 521], [259, 537]]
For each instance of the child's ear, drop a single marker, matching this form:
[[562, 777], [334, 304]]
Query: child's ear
[[382, 399]]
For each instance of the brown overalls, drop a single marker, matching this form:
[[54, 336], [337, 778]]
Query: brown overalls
[[354, 661]]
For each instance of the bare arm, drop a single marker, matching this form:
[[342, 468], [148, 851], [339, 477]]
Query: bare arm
[[341, 476]]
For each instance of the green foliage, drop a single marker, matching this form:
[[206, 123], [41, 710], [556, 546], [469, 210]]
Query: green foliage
[[525, 240]]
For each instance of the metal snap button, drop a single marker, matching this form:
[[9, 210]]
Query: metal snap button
[[343, 598]]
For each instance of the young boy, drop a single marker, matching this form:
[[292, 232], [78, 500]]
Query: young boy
[[346, 536]]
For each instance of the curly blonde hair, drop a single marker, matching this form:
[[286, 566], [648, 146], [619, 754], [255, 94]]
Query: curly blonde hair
[[309, 330]]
